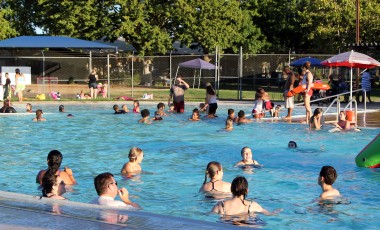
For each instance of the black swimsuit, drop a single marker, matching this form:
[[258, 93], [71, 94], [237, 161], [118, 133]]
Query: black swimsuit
[[249, 207], [213, 188]]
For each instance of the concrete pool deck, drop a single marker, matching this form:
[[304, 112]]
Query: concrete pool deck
[[20, 211]]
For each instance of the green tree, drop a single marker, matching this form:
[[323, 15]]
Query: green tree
[[226, 24], [7, 29]]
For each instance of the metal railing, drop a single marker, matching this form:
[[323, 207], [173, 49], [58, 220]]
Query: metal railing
[[337, 101]]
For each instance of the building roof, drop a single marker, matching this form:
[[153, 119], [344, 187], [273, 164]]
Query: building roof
[[52, 42]]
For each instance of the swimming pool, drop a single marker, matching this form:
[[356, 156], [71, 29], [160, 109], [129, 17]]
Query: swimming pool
[[176, 154]]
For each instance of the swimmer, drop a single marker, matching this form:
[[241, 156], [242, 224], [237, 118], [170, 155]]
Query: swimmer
[[326, 179], [160, 112], [53, 186], [61, 109], [145, 117], [343, 123], [229, 124], [231, 115], [292, 145], [136, 155], [171, 108], [315, 120], [136, 106], [195, 115], [54, 160], [125, 108], [39, 116], [29, 108], [214, 171], [117, 111], [246, 154], [202, 108], [238, 203], [242, 119], [70, 115]]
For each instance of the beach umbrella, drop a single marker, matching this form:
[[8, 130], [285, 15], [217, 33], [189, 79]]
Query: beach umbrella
[[351, 59], [313, 61]]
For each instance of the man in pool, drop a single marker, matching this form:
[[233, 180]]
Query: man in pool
[[107, 189], [177, 92], [326, 179]]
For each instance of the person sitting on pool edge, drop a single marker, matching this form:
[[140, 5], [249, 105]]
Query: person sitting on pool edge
[[136, 155], [246, 154], [326, 179], [238, 203], [107, 190], [54, 160], [145, 117], [216, 186], [39, 116]]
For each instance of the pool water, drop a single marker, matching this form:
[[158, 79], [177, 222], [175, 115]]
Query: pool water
[[176, 152]]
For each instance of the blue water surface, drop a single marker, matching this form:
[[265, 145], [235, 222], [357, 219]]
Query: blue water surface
[[176, 152]]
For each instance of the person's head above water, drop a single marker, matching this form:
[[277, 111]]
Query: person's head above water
[[239, 187], [61, 108], [292, 144], [212, 170]]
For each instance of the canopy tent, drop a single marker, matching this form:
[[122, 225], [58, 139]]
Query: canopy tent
[[313, 61], [42, 42], [351, 59], [196, 64]]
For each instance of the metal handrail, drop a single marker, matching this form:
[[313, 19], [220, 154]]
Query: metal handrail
[[337, 100]]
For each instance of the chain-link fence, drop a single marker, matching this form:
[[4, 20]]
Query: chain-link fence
[[131, 71]]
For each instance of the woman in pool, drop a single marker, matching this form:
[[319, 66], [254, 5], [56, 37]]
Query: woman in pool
[[216, 186], [343, 123], [315, 120], [52, 186], [136, 155], [29, 108], [246, 154], [54, 160], [136, 106], [238, 204]]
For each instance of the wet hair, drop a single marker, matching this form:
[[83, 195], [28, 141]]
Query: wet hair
[[239, 186], [145, 113], [137, 102], [209, 89], [160, 105], [61, 108], [30, 105], [196, 111], [101, 182], [115, 107], [39, 113], [329, 174], [241, 114], [212, 168], [54, 160], [292, 144], [306, 65], [134, 153], [230, 111], [202, 105], [242, 150], [317, 111]]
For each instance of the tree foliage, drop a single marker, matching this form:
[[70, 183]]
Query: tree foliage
[[152, 26]]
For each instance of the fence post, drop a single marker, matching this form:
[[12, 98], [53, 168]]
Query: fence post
[[108, 76], [133, 52], [240, 73]]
